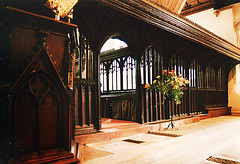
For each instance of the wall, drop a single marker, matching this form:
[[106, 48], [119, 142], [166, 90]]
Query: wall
[[234, 75], [220, 24], [236, 22], [234, 89], [226, 24]]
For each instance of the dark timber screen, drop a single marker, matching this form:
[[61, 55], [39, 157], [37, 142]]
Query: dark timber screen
[[83, 83], [207, 87], [118, 85]]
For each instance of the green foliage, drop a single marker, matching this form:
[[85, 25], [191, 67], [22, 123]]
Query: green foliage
[[170, 85]]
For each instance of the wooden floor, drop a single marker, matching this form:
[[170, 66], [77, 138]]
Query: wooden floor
[[214, 140]]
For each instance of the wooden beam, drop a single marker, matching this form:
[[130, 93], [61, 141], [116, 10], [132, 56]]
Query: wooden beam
[[164, 19], [195, 9]]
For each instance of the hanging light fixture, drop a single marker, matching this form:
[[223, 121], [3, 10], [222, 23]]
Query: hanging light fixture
[[61, 7]]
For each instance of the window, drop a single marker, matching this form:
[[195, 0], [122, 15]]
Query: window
[[129, 74], [196, 75], [112, 78], [151, 65]]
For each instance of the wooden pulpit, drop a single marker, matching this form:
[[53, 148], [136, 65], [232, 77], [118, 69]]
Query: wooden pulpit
[[36, 114]]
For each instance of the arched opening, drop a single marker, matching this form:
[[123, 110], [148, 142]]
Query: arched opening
[[113, 44], [118, 82]]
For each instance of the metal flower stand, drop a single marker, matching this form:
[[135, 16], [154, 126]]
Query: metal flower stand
[[171, 119]]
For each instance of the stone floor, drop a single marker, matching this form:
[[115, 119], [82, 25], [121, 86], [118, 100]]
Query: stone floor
[[214, 140], [114, 123]]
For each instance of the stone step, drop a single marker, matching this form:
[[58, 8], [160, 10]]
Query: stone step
[[112, 133], [130, 128], [47, 156]]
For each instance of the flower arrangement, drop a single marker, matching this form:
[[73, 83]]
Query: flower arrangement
[[170, 85]]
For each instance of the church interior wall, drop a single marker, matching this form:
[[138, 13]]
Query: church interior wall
[[218, 22], [224, 23]]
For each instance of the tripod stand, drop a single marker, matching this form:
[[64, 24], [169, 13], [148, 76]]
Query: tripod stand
[[171, 119]]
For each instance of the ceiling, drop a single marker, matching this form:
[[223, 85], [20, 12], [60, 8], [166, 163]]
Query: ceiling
[[174, 5], [187, 7], [182, 7], [193, 6]]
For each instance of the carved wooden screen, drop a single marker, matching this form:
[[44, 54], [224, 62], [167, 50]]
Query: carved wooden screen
[[129, 73], [222, 86], [193, 98], [210, 78], [216, 87], [104, 76], [177, 64], [210, 82], [118, 84], [118, 74], [114, 76], [83, 82], [151, 66], [207, 87], [196, 88]]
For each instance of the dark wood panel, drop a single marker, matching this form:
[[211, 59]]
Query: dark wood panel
[[201, 91], [37, 52], [56, 47], [48, 122], [25, 123], [118, 107], [84, 102]]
